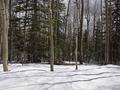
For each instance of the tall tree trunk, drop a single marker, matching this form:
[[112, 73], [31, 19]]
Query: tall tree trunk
[[76, 28], [80, 35], [107, 44], [87, 16], [76, 50], [51, 36], [5, 21], [101, 35], [110, 29], [0, 34], [10, 33]]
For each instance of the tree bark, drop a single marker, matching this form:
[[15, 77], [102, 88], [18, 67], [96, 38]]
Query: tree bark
[[107, 44], [5, 23], [51, 37], [80, 35]]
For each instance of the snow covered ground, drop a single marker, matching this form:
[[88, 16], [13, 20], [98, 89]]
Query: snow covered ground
[[38, 77]]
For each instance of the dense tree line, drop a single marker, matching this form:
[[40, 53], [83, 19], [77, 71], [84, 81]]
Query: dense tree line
[[30, 29], [35, 31]]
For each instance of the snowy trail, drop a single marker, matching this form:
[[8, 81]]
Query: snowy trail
[[38, 77]]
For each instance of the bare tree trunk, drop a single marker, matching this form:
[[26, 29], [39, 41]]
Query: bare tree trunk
[[76, 51], [87, 16], [110, 29], [101, 29], [94, 21], [51, 37], [5, 21], [75, 26], [80, 35], [10, 32], [107, 45], [0, 35]]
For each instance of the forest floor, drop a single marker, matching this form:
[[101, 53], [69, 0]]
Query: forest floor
[[38, 77]]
